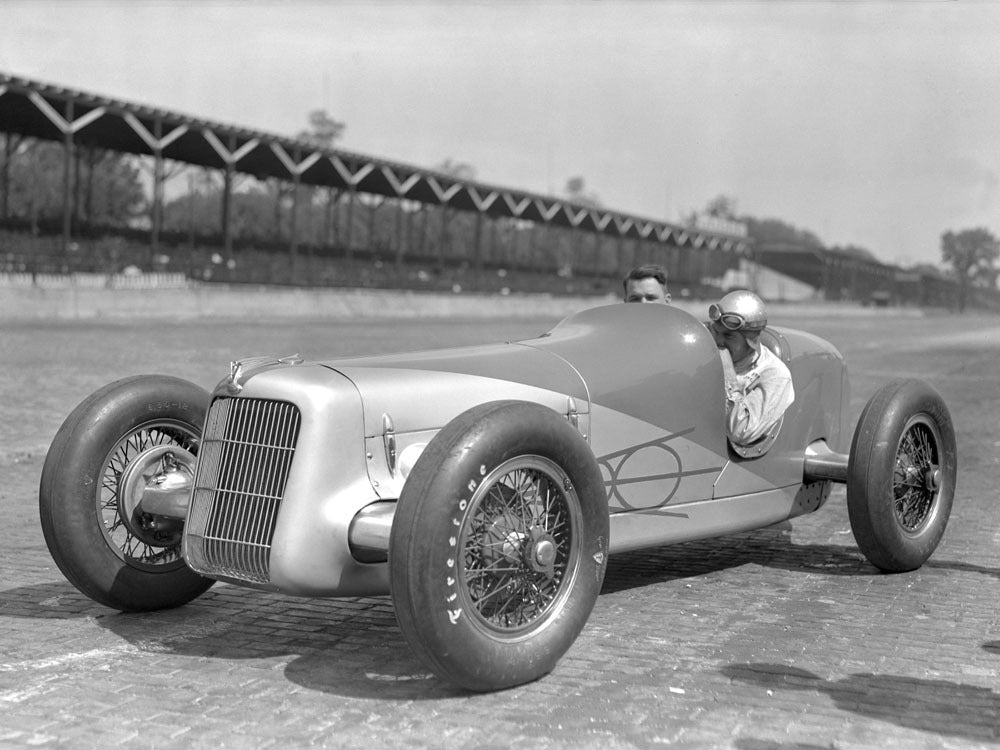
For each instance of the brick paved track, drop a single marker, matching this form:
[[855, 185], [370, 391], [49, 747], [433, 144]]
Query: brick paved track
[[781, 638]]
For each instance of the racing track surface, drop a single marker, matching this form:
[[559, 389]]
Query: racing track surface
[[780, 638]]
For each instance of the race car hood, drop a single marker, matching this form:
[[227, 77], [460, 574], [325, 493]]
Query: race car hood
[[425, 390]]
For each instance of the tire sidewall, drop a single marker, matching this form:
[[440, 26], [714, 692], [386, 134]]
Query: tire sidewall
[[450, 636], [876, 442], [71, 479]]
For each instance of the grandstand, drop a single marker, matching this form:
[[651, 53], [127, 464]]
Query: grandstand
[[385, 224], [442, 231]]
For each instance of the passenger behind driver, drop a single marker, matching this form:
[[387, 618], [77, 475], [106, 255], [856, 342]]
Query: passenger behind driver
[[647, 284], [758, 384]]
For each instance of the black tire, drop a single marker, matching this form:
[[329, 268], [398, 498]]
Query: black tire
[[901, 475], [499, 545], [102, 542]]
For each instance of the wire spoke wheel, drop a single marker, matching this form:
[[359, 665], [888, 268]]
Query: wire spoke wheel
[[518, 544], [917, 474], [499, 545], [138, 538], [119, 446], [901, 475]]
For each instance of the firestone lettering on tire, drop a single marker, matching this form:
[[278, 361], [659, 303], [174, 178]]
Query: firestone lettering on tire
[[456, 521]]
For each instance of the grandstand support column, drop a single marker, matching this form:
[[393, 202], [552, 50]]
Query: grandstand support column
[[328, 217], [477, 251], [9, 143], [375, 203], [399, 232], [79, 211], [230, 156], [156, 142], [352, 197], [227, 191], [68, 208], [293, 223], [425, 216], [443, 239], [156, 220], [496, 255], [401, 215]]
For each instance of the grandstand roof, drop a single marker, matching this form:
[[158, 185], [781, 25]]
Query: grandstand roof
[[41, 110]]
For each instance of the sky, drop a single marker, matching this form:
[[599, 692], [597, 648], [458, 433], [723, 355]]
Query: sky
[[871, 124]]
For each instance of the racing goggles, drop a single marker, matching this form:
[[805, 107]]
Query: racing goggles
[[729, 320]]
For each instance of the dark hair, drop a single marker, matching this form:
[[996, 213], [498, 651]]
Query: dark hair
[[648, 271]]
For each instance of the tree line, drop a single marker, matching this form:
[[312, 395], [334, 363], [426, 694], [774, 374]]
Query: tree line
[[111, 190]]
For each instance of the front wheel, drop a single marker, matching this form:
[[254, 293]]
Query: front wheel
[[91, 488], [901, 475], [499, 545]]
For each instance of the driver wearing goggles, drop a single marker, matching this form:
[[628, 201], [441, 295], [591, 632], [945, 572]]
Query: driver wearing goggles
[[758, 384]]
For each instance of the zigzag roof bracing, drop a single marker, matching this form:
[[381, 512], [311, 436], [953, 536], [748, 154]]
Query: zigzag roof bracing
[[49, 112]]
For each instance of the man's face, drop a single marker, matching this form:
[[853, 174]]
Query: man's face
[[645, 290], [735, 341]]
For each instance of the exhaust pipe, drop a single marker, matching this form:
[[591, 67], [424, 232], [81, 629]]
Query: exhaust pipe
[[824, 464], [368, 534]]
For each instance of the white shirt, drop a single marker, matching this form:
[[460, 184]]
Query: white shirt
[[758, 390]]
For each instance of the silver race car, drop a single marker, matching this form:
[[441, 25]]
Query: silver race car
[[482, 487]]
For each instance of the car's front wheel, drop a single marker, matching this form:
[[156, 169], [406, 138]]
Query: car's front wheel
[[92, 482], [499, 545], [901, 475]]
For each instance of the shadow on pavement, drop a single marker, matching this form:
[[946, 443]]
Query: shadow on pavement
[[770, 547], [57, 600], [746, 743], [389, 674], [350, 647], [353, 647], [936, 706]]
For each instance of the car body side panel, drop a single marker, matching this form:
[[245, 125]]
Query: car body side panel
[[653, 362], [646, 467], [710, 518], [657, 414]]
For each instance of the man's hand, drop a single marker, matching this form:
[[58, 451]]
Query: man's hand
[[729, 377]]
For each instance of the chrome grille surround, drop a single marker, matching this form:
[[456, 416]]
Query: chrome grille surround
[[244, 461]]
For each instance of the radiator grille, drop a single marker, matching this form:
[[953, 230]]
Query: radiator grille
[[243, 465]]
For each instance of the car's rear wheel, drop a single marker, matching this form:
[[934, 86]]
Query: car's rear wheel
[[499, 545], [901, 475], [92, 481]]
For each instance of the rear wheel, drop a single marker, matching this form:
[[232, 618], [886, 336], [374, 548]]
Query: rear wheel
[[499, 545], [92, 482], [901, 475]]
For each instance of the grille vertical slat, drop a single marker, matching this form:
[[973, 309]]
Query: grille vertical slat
[[244, 464]]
